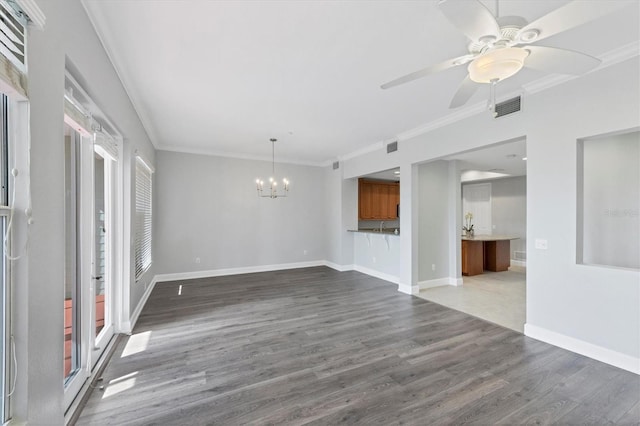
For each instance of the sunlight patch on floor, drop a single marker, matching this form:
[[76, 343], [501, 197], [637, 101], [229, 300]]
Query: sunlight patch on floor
[[120, 384], [137, 343]]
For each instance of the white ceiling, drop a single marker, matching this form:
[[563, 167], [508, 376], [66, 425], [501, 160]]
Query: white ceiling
[[223, 77]]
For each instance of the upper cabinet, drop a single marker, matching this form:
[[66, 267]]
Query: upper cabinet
[[378, 200]]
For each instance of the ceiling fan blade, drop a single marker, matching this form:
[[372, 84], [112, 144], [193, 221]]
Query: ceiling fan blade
[[465, 91], [561, 61], [571, 15], [450, 63], [471, 17]]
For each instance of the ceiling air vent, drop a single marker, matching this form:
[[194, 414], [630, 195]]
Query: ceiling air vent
[[336, 165], [392, 147], [507, 107]]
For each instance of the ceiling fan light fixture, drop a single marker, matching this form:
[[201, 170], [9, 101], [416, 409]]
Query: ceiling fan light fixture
[[497, 65]]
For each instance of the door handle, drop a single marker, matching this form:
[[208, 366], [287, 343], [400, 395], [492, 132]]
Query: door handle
[[98, 277]]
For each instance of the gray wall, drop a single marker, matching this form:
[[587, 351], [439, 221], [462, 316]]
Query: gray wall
[[434, 216], [611, 201], [562, 295], [68, 38], [207, 208], [509, 209]]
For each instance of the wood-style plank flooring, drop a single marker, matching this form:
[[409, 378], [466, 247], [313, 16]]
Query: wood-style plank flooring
[[316, 346]]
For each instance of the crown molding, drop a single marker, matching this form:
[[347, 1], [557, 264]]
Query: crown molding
[[610, 58], [98, 25], [240, 156], [367, 149]]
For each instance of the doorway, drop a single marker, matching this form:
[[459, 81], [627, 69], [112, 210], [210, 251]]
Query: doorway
[[491, 196], [90, 254]]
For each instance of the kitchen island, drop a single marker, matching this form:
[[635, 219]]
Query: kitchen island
[[486, 252]]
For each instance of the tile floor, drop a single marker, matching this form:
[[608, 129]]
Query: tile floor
[[498, 297]]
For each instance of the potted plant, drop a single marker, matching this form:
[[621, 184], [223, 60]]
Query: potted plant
[[468, 227]]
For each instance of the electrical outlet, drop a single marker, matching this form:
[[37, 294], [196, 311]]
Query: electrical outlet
[[304, 252], [433, 266], [374, 259], [197, 260]]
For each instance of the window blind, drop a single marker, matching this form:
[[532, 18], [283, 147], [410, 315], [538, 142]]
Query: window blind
[[13, 51], [143, 217]]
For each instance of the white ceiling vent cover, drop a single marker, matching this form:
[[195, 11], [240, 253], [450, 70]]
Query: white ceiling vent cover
[[507, 107]]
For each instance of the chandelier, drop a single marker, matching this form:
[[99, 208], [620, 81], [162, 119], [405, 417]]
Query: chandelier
[[273, 183]]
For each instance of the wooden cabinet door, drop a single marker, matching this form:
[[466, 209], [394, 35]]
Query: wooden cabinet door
[[393, 201], [365, 200], [472, 257], [378, 200], [380, 196]]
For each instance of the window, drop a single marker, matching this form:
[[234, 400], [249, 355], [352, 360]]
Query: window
[[143, 217]]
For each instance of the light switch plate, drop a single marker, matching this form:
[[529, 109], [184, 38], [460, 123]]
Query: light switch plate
[[541, 244]]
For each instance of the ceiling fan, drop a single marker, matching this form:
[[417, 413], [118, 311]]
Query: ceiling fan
[[500, 47]]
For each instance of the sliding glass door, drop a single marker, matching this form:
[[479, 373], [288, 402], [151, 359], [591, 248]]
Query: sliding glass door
[[90, 222]]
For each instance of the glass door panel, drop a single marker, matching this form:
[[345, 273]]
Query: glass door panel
[[71, 296], [103, 251], [100, 242]]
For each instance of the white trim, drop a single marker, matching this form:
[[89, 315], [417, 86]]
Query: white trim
[[438, 282], [35, 14], [367, 149], [617, 359], [387, 277], [610, 58], [235, 271], [128, 326], [144, 162], [241, 156], [519, 263], [408, 289], [340, 268]]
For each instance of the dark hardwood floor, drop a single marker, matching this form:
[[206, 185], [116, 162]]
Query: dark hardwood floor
[[324, 347]]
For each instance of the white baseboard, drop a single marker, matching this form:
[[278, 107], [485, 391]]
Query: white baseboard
[[408, 289], [377, 274], [438, 282], [236, 271], [339, 268], [617, 359], [520, 263], [143, 300]]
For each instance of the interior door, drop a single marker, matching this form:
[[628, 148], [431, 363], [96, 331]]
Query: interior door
[[476, 199]]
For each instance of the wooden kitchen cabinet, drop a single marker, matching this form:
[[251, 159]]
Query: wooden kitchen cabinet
[[378, 200], [472, 257]]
